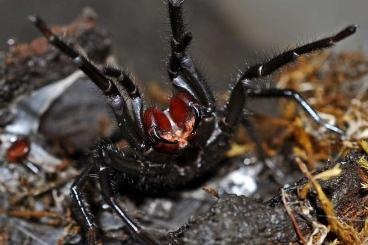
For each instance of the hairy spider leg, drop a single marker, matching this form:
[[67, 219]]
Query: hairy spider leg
[[109, 196], [260, 70], [133, 92], [111, 91], [288, 93], [240, 92], [182, 71], [79, 201], [88, 68], [102, 165]]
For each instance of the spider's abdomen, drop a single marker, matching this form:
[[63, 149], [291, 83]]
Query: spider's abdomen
[[171, 130]]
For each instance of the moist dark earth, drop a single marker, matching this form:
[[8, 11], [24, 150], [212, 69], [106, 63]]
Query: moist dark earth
[[235, 219]]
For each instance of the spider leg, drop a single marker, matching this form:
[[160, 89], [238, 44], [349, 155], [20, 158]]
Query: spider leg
[[109, 196], [275, 63], [87, 67], [240, 92], [81, 204], [288, 93], [181, 68], [106, 85], [133, 92], [236, 104]]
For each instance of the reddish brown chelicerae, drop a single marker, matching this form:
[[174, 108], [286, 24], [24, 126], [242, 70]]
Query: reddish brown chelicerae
[[175, 126]]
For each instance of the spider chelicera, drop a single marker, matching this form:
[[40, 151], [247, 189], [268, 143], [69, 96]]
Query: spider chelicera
[[171, 148]]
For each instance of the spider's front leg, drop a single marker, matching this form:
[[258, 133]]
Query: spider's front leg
[[241, 91], [260, 70], [132, 90], [132, 128], [181, 68]]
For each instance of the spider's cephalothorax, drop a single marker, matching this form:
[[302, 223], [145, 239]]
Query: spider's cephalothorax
[[171, 148]]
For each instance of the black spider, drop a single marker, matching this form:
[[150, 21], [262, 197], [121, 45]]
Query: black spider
[[170, 149]]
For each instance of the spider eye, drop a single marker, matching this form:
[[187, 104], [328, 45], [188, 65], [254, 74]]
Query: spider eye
[[180, 109]]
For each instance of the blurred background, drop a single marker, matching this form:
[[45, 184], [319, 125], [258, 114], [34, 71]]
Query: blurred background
[[227, 33]]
